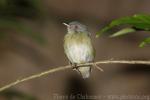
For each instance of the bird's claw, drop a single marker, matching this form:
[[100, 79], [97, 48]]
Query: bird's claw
[[74, 66]]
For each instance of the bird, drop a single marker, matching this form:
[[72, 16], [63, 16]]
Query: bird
[[78, 47]]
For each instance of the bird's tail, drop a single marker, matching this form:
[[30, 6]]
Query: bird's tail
[[85, 71]]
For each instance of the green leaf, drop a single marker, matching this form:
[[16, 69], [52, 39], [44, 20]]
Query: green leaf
[[145, 42], [139, 22], [123, 32]]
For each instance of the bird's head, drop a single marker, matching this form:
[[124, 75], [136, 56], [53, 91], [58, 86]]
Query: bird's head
[[76, 27]]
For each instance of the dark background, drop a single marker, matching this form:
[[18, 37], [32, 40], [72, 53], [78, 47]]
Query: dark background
[[31, 41]]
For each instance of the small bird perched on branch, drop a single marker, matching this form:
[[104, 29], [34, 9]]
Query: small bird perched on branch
[[78, 47]]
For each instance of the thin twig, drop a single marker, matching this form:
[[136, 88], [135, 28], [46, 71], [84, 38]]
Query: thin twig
[[98, 67], [34, 76], [67, 67]]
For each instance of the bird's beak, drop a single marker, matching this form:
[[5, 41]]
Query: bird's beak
[[66, 24]]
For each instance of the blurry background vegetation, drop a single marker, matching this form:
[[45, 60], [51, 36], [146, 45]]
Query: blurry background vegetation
[[12, 16], [31, 40]]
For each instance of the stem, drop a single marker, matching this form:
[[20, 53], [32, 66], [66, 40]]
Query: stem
[[67, 67]]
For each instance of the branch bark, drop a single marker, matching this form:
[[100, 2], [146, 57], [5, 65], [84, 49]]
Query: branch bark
[[60, 68]]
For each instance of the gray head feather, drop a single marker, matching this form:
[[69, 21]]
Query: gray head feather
[[76, 27]]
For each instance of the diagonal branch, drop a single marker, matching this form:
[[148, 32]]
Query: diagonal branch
[[68, 66]]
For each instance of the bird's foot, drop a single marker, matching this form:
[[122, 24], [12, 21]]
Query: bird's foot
[[74, 66]]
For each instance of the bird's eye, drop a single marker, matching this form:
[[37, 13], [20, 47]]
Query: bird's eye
[[75, 26], [72, 26]]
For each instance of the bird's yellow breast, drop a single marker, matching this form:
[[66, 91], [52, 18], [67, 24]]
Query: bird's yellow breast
[[79, 38]]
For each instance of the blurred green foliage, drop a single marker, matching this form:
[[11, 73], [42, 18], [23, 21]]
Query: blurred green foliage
[[16, 95], [20, 8], [11, 14], [138, 22], [145, 42]]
